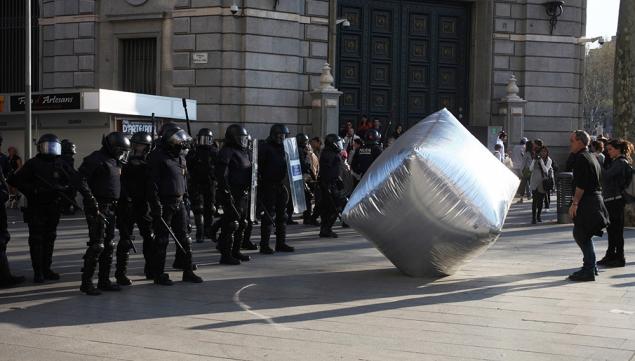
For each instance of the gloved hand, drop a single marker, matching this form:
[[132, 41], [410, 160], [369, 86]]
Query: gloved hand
[[91, 207]]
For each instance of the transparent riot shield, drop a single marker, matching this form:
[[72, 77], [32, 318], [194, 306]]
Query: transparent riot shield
[[294, 172], [253, 200]]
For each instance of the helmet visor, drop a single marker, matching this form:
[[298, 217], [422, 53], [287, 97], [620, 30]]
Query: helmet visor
[[205, 140], [50, 148], [340, 144], [244, 141], [140, 150]]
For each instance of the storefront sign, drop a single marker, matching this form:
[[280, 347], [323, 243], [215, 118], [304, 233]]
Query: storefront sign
[[133, 126], [62, 101]]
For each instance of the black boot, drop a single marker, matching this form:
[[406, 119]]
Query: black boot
[[6, 278], [47, 272], [104, 283], [281, 244], [608, 258], [89, 288], [583, 275], [248, 245], [163, 279], [265, 234], [225, 243], [200, 231], [236, 252], [37, 262], [90, 263], [121, 269]]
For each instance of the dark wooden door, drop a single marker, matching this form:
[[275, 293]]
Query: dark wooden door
[[402, 60]]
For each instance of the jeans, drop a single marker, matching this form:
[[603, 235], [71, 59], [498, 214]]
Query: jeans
[[585, 242]]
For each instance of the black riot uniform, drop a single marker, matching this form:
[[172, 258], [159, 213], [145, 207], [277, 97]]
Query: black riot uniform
[[68, 155], [43, 179], [366, 155], [201, 185], [233, 175], [272, 190], [6, 278], [133, 206], [102, 170], [168, 188], [307, 173], [331, 186]]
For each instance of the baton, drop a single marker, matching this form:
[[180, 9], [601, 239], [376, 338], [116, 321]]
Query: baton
[[187, 117], [153, 130], [172, 234]]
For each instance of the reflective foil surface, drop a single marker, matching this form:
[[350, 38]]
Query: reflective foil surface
[[433, 200]]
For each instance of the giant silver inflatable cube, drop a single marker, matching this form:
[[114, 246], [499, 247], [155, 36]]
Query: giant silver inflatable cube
[[434, 199]]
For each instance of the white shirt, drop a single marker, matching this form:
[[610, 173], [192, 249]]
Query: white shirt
[[517, 155], [500, 141]]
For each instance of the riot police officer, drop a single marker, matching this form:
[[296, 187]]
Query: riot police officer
[[200, 165], [233, 174], [167, 184], [68, 155], [133, 206], [331, 186], [307, 173], [272, 173], [43, 179], [101, 170], [367, 154], [6, 278]]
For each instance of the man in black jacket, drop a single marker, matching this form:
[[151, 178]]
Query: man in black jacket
[[43, 179], [202, 192], [331, 185], [6, 278], [587, 209], [168, 187], [272, 173], [366, 155]]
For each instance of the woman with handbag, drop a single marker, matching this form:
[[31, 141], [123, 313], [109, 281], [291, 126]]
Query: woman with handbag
[[541, 182], [615, 179]]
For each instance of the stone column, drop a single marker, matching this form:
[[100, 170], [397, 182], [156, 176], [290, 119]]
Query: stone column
[[325, 105], [512, 107]]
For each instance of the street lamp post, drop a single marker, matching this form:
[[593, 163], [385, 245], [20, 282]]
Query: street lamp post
[[27, 84]]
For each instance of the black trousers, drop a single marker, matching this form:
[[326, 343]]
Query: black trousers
[[101, 234], [5, 272], [537, 203], [331, 203], [274, 198], [233, 222], [615, 230], [129, 213], [203, 198], [42, 220], [175, 216]]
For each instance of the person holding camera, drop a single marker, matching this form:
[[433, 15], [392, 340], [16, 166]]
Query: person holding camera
[[541, 181]]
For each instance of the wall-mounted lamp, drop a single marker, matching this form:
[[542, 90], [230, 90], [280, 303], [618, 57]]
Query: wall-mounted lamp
[[554, 10], [345, 23]]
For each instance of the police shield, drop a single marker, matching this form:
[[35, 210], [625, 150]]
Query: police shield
[[253, 200], [294, 173]]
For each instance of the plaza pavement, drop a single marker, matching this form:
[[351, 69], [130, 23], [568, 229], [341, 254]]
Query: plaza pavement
[[331, 300]]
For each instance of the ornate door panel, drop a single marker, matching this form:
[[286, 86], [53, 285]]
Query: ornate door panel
[[402, 60]]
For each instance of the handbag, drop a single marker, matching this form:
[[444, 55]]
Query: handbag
[[547, 183]]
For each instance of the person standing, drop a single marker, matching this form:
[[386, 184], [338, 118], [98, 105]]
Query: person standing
[[101, 171], [202, 184], [587, 209], [42, 180], [331, 186], [7, 279], [541, 182], [133, 207], [68, 156], [366, 155], [272, 173], [614, 180], [518, 152], [167, 191], [15, 163], [233, 174], [502, 139]]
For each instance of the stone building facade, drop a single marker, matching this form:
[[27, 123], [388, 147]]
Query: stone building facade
[[259, 65]]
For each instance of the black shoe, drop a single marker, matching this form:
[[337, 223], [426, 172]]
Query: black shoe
[[147, 272], [229, 260], [191, 277], [241, 257], [539, 220], [615, 263], [38, 278], [51, 276], [266, 249], [249, 246], [89, 289], [163, 280], [583, 275], [122, 280], [330, 234], [605, 260], [107, 286], [283, 247], [291, 222]]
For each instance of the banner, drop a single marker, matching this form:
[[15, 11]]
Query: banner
[[253, 200], [294, 172]]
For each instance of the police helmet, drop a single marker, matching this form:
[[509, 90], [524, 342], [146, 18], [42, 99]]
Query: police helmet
[[141, 143], [49, 144], [166, 127], [68, 147], [302, 140], [373, 136], [237, 136], [278, 133], [117, 144], [205, 137], [334, 142], [176, 141]]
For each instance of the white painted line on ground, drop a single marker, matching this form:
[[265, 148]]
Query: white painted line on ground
[[622, 312], [247, 308]]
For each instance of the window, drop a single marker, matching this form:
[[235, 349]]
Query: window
[[139, 65], [12, 44]]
